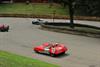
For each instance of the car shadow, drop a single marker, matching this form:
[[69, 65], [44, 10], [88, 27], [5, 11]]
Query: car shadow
[[57, 56], [63, 55]]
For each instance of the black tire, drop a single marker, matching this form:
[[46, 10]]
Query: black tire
[[36, 51], [33, 22], [7, 30], [52, 55], [63, 53], [2, 30]]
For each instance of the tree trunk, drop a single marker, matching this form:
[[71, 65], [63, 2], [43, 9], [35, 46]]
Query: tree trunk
[[71, 12]]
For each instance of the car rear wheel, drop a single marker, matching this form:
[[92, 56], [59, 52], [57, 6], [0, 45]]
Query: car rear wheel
[[52, 55], [7, 30], [2, 30]]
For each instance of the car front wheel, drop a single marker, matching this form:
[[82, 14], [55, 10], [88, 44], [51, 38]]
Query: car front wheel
[[63, 53], [36, 51]]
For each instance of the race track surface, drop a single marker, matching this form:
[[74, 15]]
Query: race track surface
[[23, 36]]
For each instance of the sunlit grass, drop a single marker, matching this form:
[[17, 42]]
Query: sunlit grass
[[38, 9], [12, 60]]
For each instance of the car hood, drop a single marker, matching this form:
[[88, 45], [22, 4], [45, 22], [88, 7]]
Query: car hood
[[1, 25]]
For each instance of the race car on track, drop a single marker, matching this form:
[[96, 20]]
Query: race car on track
[[51, 49], [4, 27], [38, 21]]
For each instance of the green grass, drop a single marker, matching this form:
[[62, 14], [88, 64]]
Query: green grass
[[12, 60], [37, 9]]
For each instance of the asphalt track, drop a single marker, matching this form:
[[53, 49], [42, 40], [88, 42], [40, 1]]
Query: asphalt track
[[23, 36]]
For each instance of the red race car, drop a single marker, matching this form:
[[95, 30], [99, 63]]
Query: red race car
[[52, 49], [4, 27]]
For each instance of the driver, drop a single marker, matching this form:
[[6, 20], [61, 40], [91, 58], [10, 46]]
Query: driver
[[56, 44], [47, 48]]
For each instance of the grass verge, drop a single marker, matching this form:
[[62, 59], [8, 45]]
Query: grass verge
[[12, 60], [32, 8]]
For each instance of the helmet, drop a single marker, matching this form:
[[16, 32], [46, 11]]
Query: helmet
[[56, 43]]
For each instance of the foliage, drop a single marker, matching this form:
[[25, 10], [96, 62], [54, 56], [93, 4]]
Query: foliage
[[84, 7], [88, 7]]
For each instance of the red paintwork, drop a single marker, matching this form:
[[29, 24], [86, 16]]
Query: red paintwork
[[53, 49], [3, 27]]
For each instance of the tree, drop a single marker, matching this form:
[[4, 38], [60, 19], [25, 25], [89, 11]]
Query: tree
[[50, 3], [70, 4], [71, 12], [88, 7]]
